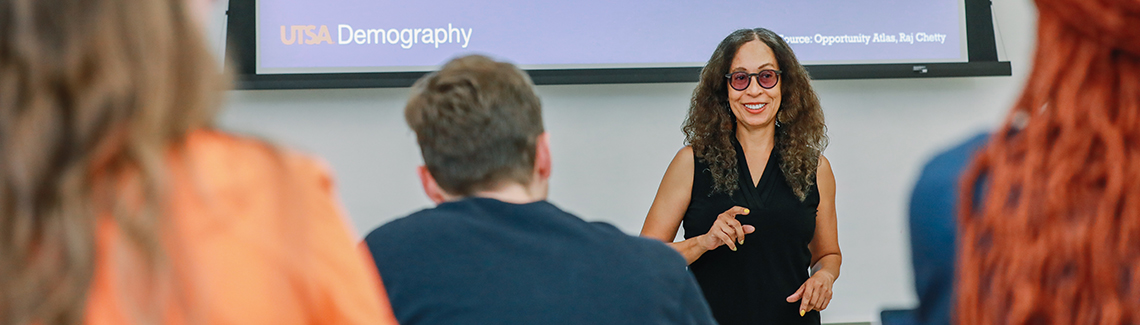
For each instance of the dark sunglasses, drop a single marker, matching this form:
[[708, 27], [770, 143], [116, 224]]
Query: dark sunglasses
[[740, 80]]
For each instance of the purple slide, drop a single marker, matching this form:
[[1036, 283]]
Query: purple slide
[[296, 36]]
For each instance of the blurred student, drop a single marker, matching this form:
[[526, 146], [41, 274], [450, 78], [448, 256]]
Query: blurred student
[[933, 220], [120, 204], [1054, 234], [494, 251]]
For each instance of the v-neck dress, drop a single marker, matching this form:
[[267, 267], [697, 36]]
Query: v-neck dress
[[750, 285]]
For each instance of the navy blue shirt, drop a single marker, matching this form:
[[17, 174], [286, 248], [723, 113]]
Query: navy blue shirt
[[483, 261], [933, 229]]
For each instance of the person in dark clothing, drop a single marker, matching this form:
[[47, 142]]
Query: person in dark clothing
[[493, 250], [753, 165], [933, 232]]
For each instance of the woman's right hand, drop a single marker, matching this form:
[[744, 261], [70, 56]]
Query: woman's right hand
[[726, 230]]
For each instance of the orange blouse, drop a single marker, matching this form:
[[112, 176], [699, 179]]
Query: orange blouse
[[253, 235]]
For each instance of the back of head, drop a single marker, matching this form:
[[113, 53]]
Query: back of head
[[1056, 237], [477, 122], [90, 90]]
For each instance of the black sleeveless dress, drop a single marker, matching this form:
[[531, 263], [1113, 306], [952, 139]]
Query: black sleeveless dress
[[750, 285]]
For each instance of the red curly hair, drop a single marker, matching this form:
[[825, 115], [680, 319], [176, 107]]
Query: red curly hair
[[1052, 235]]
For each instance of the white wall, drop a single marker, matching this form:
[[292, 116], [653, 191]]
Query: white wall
[[611, 144]]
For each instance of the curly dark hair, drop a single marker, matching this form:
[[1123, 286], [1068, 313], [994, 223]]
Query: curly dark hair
[[710, 126]]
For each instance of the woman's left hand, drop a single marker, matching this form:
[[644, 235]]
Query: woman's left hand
[[815, 293]]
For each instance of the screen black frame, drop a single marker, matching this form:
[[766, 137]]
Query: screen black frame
[[241, 49]]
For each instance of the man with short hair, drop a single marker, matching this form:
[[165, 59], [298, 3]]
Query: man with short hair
[[493, 250]]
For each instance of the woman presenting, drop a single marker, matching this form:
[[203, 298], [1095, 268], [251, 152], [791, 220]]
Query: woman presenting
[[753, 170]]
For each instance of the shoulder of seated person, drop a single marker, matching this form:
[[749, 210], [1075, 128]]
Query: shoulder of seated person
[[208, 139], [607, 228], [236, 164], [418, 225], [652, 247], [214, 145]]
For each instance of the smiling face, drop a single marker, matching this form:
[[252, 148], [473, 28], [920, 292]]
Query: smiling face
[[754, 107]]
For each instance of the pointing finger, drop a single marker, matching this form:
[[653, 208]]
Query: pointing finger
[[737, 210], [805, 305], [796, 296]]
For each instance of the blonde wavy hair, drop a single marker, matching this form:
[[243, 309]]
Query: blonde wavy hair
[[92, 95]]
